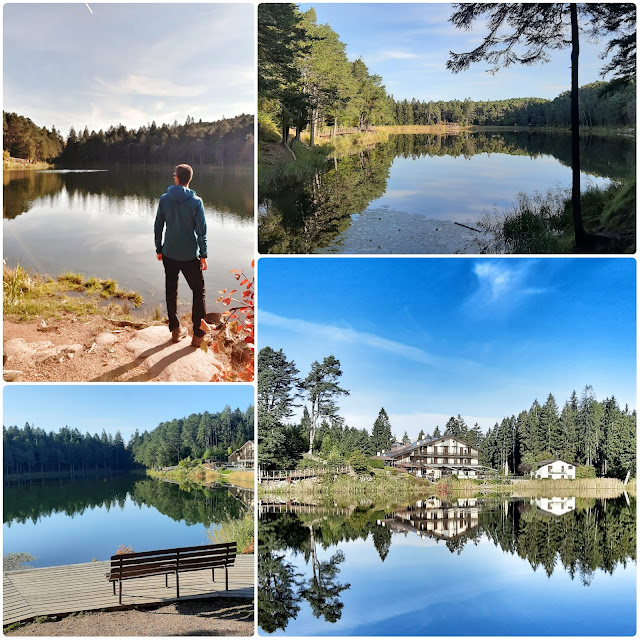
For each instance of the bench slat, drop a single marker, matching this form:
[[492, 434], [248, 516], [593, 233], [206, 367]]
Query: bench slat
[[142, 554]]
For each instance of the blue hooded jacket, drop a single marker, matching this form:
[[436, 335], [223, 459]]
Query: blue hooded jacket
[[182, 212]]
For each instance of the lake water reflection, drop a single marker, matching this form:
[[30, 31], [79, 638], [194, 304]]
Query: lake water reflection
[[468, 567], [453, 178], [101, 223], [67, 522]]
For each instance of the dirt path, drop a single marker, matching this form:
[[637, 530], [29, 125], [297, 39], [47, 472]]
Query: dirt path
[[211, 617], [100, 350]]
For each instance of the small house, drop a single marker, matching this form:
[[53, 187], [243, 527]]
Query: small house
[[244, 456], [556, 469]]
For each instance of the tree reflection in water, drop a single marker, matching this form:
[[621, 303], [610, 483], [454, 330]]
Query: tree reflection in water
[[309, 217], [595, 534]]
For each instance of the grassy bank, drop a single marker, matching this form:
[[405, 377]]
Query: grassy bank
[[27, 295], [10, 164], [543, 223], [201, 475], [389, 485], [585, 488]]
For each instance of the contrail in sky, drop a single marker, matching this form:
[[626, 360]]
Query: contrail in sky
[[88, 7]]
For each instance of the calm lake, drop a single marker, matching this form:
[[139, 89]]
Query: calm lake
[[450, 178], [100, 223], [67, 522], [561, 566]]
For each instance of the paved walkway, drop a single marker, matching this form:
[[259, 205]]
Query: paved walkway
[[84, 587]]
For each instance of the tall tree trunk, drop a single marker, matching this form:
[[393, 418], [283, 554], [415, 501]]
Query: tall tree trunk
[[575, 129], [314, 115]]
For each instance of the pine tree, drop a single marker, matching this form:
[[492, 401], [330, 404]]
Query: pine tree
[[381, 433]]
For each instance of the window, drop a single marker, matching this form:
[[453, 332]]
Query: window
[[549, 468], [570, 467]]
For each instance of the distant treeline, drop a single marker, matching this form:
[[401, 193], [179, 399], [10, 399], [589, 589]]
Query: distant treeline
[[584, 431], [598, 107], [306, 81], [32, 450], [222, 143], [200, 435]]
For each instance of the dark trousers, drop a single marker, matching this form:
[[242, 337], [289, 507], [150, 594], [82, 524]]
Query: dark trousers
[[195, 279]]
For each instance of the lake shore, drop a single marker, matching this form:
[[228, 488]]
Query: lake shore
[[202, 475], [383, 230], [213, 616], [387, 485]]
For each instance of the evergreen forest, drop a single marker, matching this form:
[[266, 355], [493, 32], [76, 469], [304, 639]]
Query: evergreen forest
[[599, 435], [227, 142], [306, 82], [206, 435]]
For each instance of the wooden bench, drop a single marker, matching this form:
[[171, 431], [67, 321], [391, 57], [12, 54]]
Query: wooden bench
[[127, 566]]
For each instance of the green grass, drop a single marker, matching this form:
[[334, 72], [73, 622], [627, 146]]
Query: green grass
[[274, 178], [26, 296], [240, 531], [543, 223]]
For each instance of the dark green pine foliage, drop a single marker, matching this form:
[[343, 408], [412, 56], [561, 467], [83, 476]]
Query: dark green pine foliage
[[381, 432]]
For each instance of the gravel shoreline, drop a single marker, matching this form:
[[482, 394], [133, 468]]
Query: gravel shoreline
[[207, 617], [388, 231]]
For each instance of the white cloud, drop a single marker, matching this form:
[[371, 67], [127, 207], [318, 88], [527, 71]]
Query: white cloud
[[146, 86], [503, 283], [347, 334]]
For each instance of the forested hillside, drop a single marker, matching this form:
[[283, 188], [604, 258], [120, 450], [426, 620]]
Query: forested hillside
[[306, 82], [585, 431], [598, 108], [209, 435], [199, 435], [223, 143], [31, 449]]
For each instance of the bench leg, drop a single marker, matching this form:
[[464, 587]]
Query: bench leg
[[177, 585], [120, 590], [166, 580], [213, 575], [226, 578], [114, 587]]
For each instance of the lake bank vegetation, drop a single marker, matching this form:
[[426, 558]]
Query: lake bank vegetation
[[196, 473], [597, 436], [543, 223], [27, 295], [224, 143]]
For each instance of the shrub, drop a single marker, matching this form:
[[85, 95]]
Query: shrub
[[359, 463], [374, 463], [585, 471]]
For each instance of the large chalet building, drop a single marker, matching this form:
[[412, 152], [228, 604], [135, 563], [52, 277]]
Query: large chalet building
[[436, 458]]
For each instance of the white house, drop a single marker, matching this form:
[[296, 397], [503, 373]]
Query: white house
[[556, 469], [556, 506]]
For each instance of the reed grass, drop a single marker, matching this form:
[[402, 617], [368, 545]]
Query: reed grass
[[583, 488], [240, 531], [26, 296]]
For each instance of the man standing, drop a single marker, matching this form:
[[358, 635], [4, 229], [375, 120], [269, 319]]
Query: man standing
[[184, 250]]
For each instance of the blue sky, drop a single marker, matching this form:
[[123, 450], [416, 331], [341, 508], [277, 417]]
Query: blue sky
[[128, 63], [430, 338], [128, 407], [408, 45]]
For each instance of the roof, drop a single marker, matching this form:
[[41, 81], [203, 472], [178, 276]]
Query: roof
[[552, 460], [420, 443]]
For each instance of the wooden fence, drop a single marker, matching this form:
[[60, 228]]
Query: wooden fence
[[300, 474]]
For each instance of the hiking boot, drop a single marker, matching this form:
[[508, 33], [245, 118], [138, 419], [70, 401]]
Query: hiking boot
[[178, 334], [196, 341]]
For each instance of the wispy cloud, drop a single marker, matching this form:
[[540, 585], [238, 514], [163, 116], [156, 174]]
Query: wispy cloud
[[392, 55], [503, 282], [146, 86], [348, 335]]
